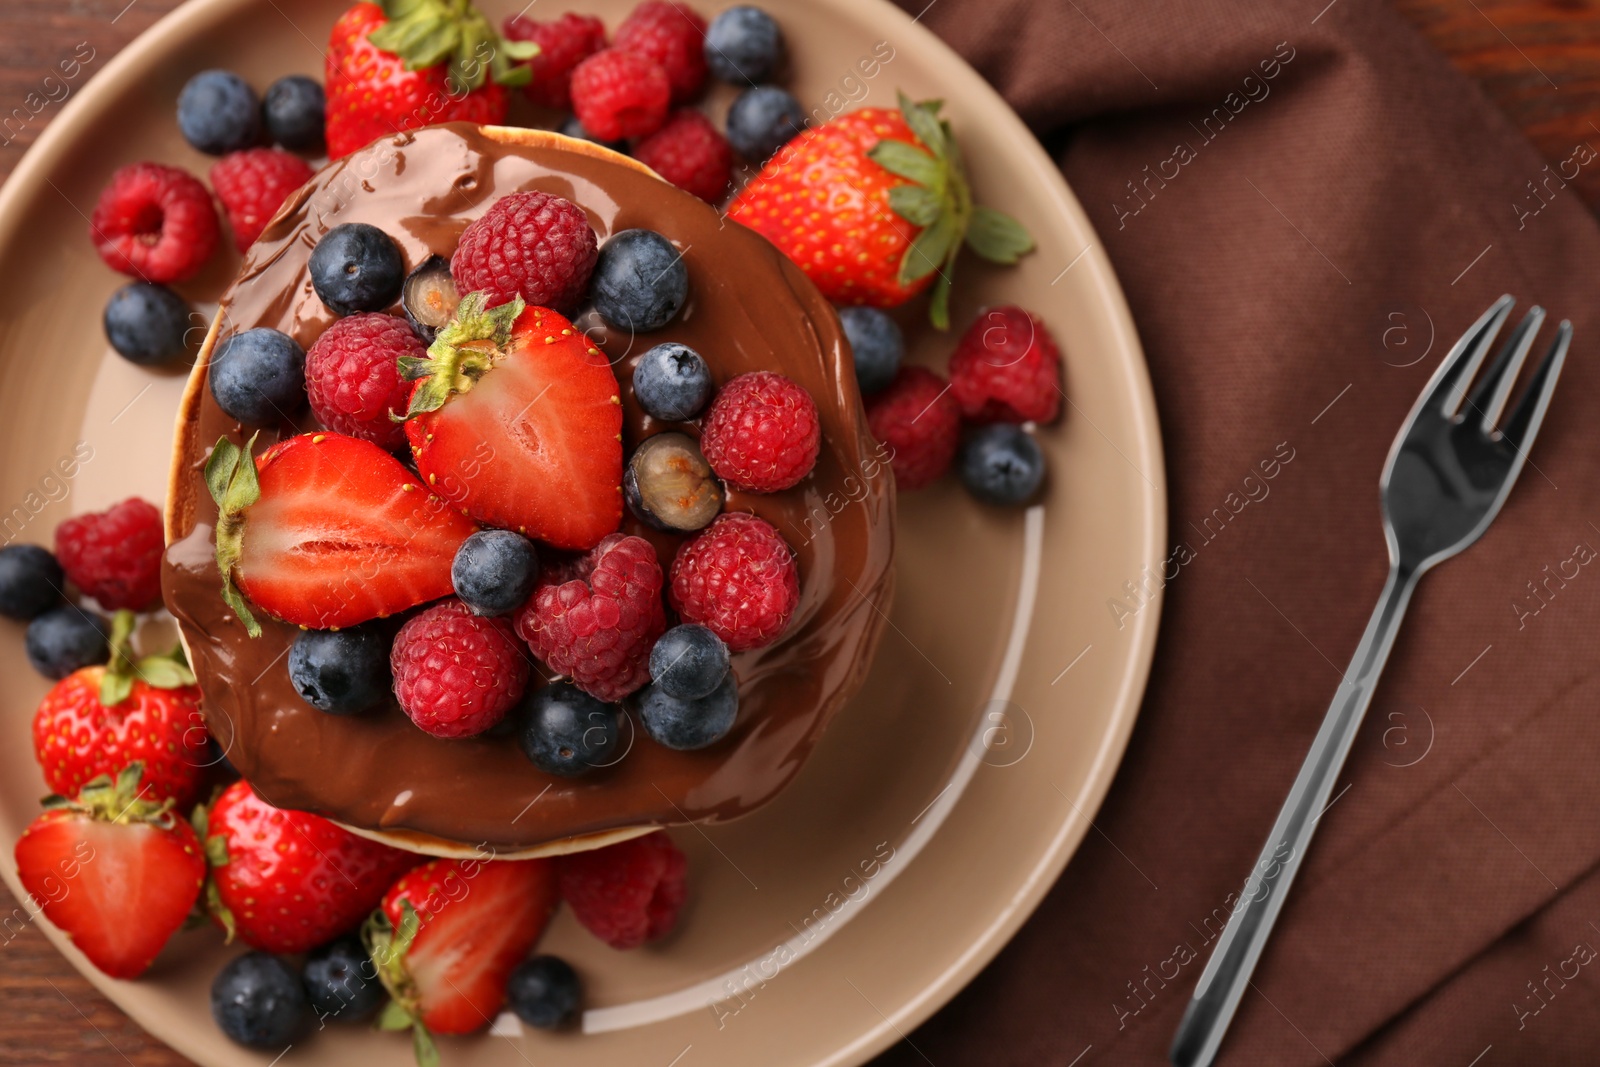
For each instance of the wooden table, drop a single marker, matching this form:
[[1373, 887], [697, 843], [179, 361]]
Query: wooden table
[[1518, 51]]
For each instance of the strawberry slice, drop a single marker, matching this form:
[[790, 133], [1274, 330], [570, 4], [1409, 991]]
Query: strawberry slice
[[447, 937], [516, 419], [325, 531], [116, 872]]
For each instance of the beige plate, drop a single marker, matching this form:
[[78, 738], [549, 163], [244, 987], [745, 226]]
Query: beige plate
[[946, 798]]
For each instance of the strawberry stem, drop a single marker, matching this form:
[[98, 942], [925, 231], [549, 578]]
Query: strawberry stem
[[160, 672], [231, 477], [120, 800], [387, 947], [463, 351], [425, 33]]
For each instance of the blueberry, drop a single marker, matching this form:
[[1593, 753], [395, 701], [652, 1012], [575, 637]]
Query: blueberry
[[689, 724], [639, 281], [341, 982], [357, 267], [341, 672], [1001, 464], [494, 571], [544, 992], [672, 382], [259, 376], [573, 128], [430, 297], [688, 662], [218, 113], [762, 120], [566, 731], [669, 484], [147, 324], [64, 639], [743, 46], [259, 1001], [877, 345], [293, 111], [31, 581]]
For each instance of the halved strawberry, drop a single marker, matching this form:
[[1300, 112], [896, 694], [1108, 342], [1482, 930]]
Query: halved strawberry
[[517, 420], [446, 938], [118, 873], [325, 531]]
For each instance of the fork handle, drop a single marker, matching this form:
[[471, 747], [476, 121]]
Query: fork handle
[[1227, 973]]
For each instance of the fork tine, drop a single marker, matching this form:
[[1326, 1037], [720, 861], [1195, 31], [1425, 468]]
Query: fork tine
[[1525, 418], [1489, 396], [1450, 381]]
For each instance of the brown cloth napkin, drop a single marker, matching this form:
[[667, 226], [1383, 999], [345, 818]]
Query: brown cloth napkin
[[1306, 207]]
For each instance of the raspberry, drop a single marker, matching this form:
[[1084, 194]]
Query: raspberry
[[353, 377], [920, 422], [455, 673], [563, 44], [596, 620], [533, 245], [628, 893], [761, 433], [618, 94], [115, 555], [738, 580], [690, 153], [253, 185], [154, 222], [1006, 368], [672, 35]]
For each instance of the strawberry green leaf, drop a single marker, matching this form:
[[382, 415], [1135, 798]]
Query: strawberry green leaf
[[163, 672], [916, 204], [462, 352], [426, 33], [422, 1046], [996, 236], [394, 1016], [929, 250], [217, 850], [924, 122], [231, 477], [116, 681], [909, 162]]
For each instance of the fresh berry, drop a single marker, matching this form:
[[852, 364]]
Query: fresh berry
[[738, 580], [116, 872], [448, 935], [293, 110], [629, 893], [384, 76], [259, 1001], [1001, 464], [495, 571], [744, 46], [575, 129], [66, 639], [690, 153], [353, 377], [688, 662], [762, 433], [115, 555], [218, 113], [287, 881], [258, 377], [456, 674], [252, 185], [147, 324], [357, 267], [617, 94], [672, 382], [31, 581], [544, 992], [566, 732], [101, 720], [1006, 368], [430, 297], [673, 35], [517, 420], [669, 484], [763, 119], [850, 201], [154, 222], [595, 620], [639, 281], [341, 672], [563, 44], [325, 531], [920, 422], [533, 245], [877, 345], [341, 983], [686, 725]]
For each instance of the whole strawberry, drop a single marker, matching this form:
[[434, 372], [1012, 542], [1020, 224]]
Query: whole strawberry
[[287, 881], [412, 63], [253, 185], [1006, 368], [874, 206], [115, 555], [629, 893]]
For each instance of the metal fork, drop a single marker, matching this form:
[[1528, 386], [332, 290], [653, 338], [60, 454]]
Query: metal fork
[[1447, 475]]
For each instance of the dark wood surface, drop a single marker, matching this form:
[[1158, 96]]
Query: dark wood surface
[[1539, 60]]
